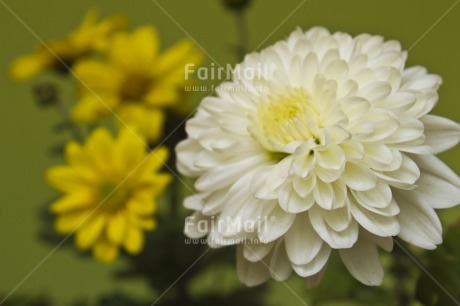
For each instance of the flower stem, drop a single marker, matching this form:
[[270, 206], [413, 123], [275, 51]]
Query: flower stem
[[47, 95], [242, 32], [401, 270], [175, 129], [63, 109]]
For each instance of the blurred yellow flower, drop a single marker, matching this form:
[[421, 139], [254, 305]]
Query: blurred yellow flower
[[90, 36], [110, 187], [135, 81]]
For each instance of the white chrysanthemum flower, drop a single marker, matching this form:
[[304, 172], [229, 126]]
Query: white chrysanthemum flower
[[336, 153]]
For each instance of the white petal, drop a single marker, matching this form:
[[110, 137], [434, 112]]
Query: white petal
[[399, 102], [224, 175], [340, 194], [363, 262], [259, 187], [386, 243], [392, 209], [358, 177], [278, 173], [185, 152], [336, 70], [421, 81], [410, 128], [394, 164], [420, 224], [353, 149], [291, 202], [257, 251], [195, 201], [434, 166], [354, 107], [441, 133], [276, 224], [438, 186], [206, 159], [216, 240], [303, 165], [375, 92], [314, 280], [214, 203], [379, 197], [302, 242], [280, 266], [304, 187], [338, 219], [404, 177], [331, 158], [376, 152], [250, 273], [328, 175], [316, 264], [200, 122], [197, 225], [324, 194], [336, 240], [377, 224]]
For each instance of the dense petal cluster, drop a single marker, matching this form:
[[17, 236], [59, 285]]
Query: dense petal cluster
[[110, 187], [92, 35], [330, 146], [135, 81]]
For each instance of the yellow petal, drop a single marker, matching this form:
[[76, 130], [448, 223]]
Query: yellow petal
[[158, 158], [147, 122], [116, 228], [164, 94], [162, 180], [98, 76], [175, 58], [89, 20], [99, 149], [28, 66], [153, 184], [72, 201], [65, 49], [89, 232], [145, 223], [135, 52], [134, 240], [105, 251], [106, 28], [68, 222], [93, 107], [74, 154], [68, 179], [141, 206], [129, 151], [94, 35]]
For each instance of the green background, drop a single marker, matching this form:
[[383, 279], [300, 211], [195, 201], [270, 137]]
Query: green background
[[26, 134]]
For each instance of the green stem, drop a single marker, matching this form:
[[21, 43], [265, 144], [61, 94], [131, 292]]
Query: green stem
[[63, 109], [177, 134], [242, 32], [401, 268], [46, 95]]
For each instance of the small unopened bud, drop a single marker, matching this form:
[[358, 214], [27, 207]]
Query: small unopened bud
[[236, 4], [46, 94]]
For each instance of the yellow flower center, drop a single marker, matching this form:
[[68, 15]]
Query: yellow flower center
[[284, 119], [135, 87], [112, 196]]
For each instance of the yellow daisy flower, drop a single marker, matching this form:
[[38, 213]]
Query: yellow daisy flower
[[110, 186], [90, 36], [135, 81]]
